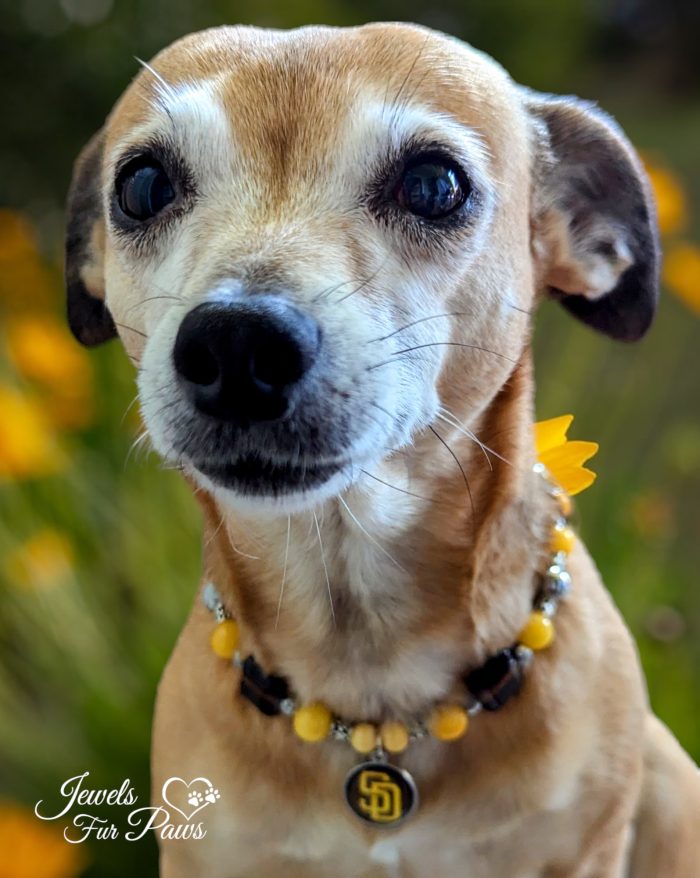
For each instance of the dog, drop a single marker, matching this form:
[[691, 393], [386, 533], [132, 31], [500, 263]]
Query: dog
[[323, 249]]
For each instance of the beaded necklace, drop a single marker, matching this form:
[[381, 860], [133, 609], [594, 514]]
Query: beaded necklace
[[377, 791]]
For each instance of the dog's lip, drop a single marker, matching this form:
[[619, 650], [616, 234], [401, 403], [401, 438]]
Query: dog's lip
[[256, 475]]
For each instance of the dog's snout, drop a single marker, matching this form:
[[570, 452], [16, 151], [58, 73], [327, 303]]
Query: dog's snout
[[242, 361]]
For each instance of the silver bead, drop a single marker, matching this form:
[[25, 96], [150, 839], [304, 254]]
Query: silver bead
[[548, 607], [524, 654], [539, 468], [287, 706], [237, 660], [210, 597], [474, 708], [340, 731], [418, 731], [557, 584], [220, 613]]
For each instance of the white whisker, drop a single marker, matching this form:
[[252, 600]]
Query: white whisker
[[451, 419], [325, 568], [284, 571], [369, 535]]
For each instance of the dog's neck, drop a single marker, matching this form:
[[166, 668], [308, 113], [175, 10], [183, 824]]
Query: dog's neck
[[376, 601]]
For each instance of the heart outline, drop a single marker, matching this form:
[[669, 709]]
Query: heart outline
[[187, 786]]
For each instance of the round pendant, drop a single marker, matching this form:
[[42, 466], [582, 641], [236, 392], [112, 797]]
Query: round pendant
[[381, 794]]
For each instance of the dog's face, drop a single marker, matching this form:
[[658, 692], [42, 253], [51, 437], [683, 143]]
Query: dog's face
[[311, 241]]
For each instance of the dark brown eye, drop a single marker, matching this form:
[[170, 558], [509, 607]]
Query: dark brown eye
[[144, 189], [431, 188]]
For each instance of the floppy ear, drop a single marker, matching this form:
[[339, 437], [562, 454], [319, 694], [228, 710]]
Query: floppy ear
[[88, 316], [594, 218]]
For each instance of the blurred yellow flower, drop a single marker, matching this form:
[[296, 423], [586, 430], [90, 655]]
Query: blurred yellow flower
[[28, 445], [670, 199], [563, 458], [681, 273], [24, 281], [32, 849], [652, 514], [43, 350], [44, 559]]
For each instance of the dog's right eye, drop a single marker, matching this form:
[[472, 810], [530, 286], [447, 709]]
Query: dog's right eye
[[144, 189]]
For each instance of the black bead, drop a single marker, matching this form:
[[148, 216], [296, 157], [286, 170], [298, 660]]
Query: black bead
[[497, 680], [265, 691]]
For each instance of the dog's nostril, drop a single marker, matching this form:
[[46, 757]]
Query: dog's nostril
[[198, 365], [275, 365]]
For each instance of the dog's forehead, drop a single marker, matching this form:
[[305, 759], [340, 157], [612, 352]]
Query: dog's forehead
[[287, 91]]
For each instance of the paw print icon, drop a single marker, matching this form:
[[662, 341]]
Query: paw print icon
[[190, 798]]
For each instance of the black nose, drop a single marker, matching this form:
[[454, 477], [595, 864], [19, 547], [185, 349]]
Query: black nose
[[242, 361]]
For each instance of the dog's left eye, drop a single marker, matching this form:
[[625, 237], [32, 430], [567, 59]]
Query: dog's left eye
[[144, 189], [431, 188]]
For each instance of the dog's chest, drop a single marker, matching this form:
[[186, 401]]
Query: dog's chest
[[323, 845]]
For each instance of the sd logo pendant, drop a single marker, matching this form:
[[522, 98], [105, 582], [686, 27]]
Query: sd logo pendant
[[381, 794]]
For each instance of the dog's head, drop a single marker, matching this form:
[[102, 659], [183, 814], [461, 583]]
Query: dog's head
[[310, 241]]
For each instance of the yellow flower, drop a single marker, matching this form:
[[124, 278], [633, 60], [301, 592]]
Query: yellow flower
[[682, 273], [43, 350], [43, 560], [27, 443], [563, 458], [24, 281], [34, 849], [670, 199]]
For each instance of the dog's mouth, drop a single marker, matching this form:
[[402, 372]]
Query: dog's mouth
[[256, 476]]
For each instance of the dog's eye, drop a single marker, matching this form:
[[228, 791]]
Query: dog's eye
[[144, 189], [431, 188]]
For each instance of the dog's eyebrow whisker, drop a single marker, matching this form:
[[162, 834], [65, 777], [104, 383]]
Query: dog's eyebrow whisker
[[397, 103], [369, 535], [325, 567], [461, 469], [168, 89], [284, 571]]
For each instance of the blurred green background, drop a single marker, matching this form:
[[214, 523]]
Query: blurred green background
[[99, 548]]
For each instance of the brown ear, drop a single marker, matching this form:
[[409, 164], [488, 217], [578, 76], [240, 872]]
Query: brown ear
[[594, 222], [88, 316]]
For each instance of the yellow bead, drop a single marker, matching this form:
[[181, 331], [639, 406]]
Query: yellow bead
[[363, 737], [448, 722], [564, 502], [224, 638], [312, 722], [394, 737], [563, 539], [538, 633]]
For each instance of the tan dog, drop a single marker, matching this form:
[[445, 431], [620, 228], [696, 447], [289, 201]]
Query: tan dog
[[322, 249]]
